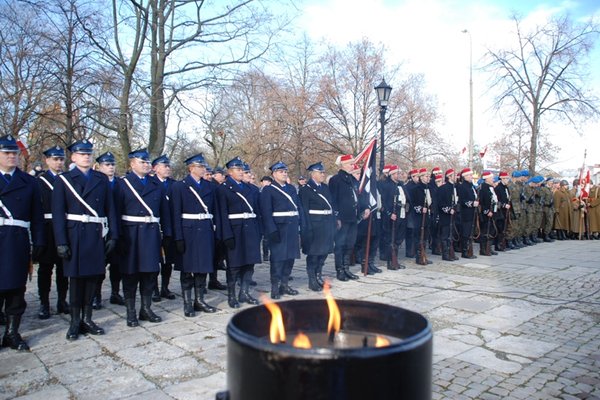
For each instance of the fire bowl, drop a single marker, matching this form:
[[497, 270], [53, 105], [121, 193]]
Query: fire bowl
[[260, 370]]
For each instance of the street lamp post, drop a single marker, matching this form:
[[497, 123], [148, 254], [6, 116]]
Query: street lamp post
[[470, 98], [383, 91]]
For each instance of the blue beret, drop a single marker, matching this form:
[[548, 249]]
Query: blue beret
[[142, 154], [277, 166], [55, 151], [480, 181], [8, 144], [197, 159], [107, 157], [525, 173], [235, 162], [316, 167], [496, 179], [81, 146], [161, 160], [537, 179], [516, 174]]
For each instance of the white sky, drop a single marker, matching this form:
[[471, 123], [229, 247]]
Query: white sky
[[425, 35]]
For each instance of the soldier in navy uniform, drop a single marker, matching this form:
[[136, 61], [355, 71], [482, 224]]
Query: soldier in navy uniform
[[217, 177], [20, 211], [162, 172], [410, 228], [55, 161], [447, 211], [239, 230], [436, 180], [106, 165], [394, 201], [280, 211], [143, 208], [344, 194], [421, 205], [83, 213], [489, 208], [467, 197], [503, 194], [317, 238], [193, 204]]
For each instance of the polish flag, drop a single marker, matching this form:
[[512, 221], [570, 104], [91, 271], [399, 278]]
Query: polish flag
[[585, 185], [482, 153], [463, 150]]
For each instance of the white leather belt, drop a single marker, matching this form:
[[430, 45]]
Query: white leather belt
[[146, 219], [285, 213], [86, 218], [14, 222], [47, 216], [199, 216], [320, 212], [242, 216]]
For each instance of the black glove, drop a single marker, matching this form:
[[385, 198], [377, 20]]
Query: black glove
[[274, 237], [110, 246], [64, 251], [37, 251], [180, 246], [230, 243], [166, 242]]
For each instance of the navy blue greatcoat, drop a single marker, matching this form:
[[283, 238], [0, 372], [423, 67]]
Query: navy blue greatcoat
[[170, 252], [244, 231], [49, 255], [21, 196], [141, 241], [198, 235], [272, 200], [84, 239], [317, 238]]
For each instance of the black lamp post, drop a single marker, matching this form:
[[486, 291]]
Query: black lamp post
[[383, 96]]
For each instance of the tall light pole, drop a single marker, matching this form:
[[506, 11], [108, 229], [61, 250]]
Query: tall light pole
[[470, 98], [383, 91]]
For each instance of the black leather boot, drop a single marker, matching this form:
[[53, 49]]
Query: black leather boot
[[116, 298], [164, 288], [245, 296], [97, 299], [73, 332], [62, 307], [188, 303], [44, 312], [346, 266], [275, 294], [340, 273], [214, 284], [156, 293], [146, 313], [87, 325], [132, 320], [446, 252], [199, 303], [12, 338], [319, 274]]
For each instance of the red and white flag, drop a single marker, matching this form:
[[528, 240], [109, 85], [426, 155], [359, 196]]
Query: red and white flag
[[463, 150], [585, 185], [368, 179], [482, 153]]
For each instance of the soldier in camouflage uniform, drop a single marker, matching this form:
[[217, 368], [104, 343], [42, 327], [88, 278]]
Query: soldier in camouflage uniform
[[529, 198], [513, 232], [538, 211], [547, 210]]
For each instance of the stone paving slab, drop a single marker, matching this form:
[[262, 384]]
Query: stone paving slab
[[521, 325]]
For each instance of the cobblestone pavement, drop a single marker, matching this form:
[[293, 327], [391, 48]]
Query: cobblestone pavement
[[521, 325]]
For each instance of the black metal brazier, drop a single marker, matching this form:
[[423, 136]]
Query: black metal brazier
[[260, 370]]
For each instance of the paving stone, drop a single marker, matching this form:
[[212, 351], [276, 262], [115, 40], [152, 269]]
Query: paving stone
[[53, 392], [488, 359], [522, 346]]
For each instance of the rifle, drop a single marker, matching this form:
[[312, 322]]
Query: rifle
[[367, 248], [393, 254], [473, 236], [450, 237], [422, 257], [488, 249]]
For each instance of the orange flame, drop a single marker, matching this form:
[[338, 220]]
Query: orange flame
[[276, 330], [380, 341], [302, 341], [335, 317]]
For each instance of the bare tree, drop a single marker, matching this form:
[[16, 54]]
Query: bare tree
[[543, 77]]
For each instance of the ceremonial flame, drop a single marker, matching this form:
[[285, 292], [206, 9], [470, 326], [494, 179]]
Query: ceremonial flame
[[380, 341], [302, 341], [276, 331], [335, 317]]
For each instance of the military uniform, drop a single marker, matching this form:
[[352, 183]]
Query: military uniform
[[317, 238], [82, 210], [394, 201], [467, 198], [421, 205], [594, 211], [447, 210], [503, 220], [20, 215], [281, 210], [562, 206], [410, 227], [547, 203], [239, 230], [48, 259], [577, 213], [488, 201], [145, 218]]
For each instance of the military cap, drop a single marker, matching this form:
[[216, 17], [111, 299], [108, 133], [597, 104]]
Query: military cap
[[196, 159], [537, 179], [516, 174], [279, 165], [246, 167], [107, 157], [525, 173], [266, 178], [209, 170], [436, 171], [392, 169], [449, 171], [486, 174], [549, 178], [235, 162], [82, 147], [301, 178], [8, 144], [423, 171], [55, 151], [413, 172], [465, 171], [479, 181], [142, 154], [496, 179], [218, 170], [564, 182], [161, 160], [503, 174], [386, 168], [438, 177], [345, 158], [318, 166]]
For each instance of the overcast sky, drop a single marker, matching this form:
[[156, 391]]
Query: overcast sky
[[425, 35]]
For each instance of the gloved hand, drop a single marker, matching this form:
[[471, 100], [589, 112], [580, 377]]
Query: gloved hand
[[230, 243], [110, 246], [37, 251], [274, 237], [166, 242], [180, 246], [64, 251]]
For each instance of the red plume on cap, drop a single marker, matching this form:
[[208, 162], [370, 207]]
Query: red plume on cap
[[393, 168], [486, 174], [503, 174], [422, 171], [386, 168], [466, 171], [449, 172], [413, 172], [436, 170]]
